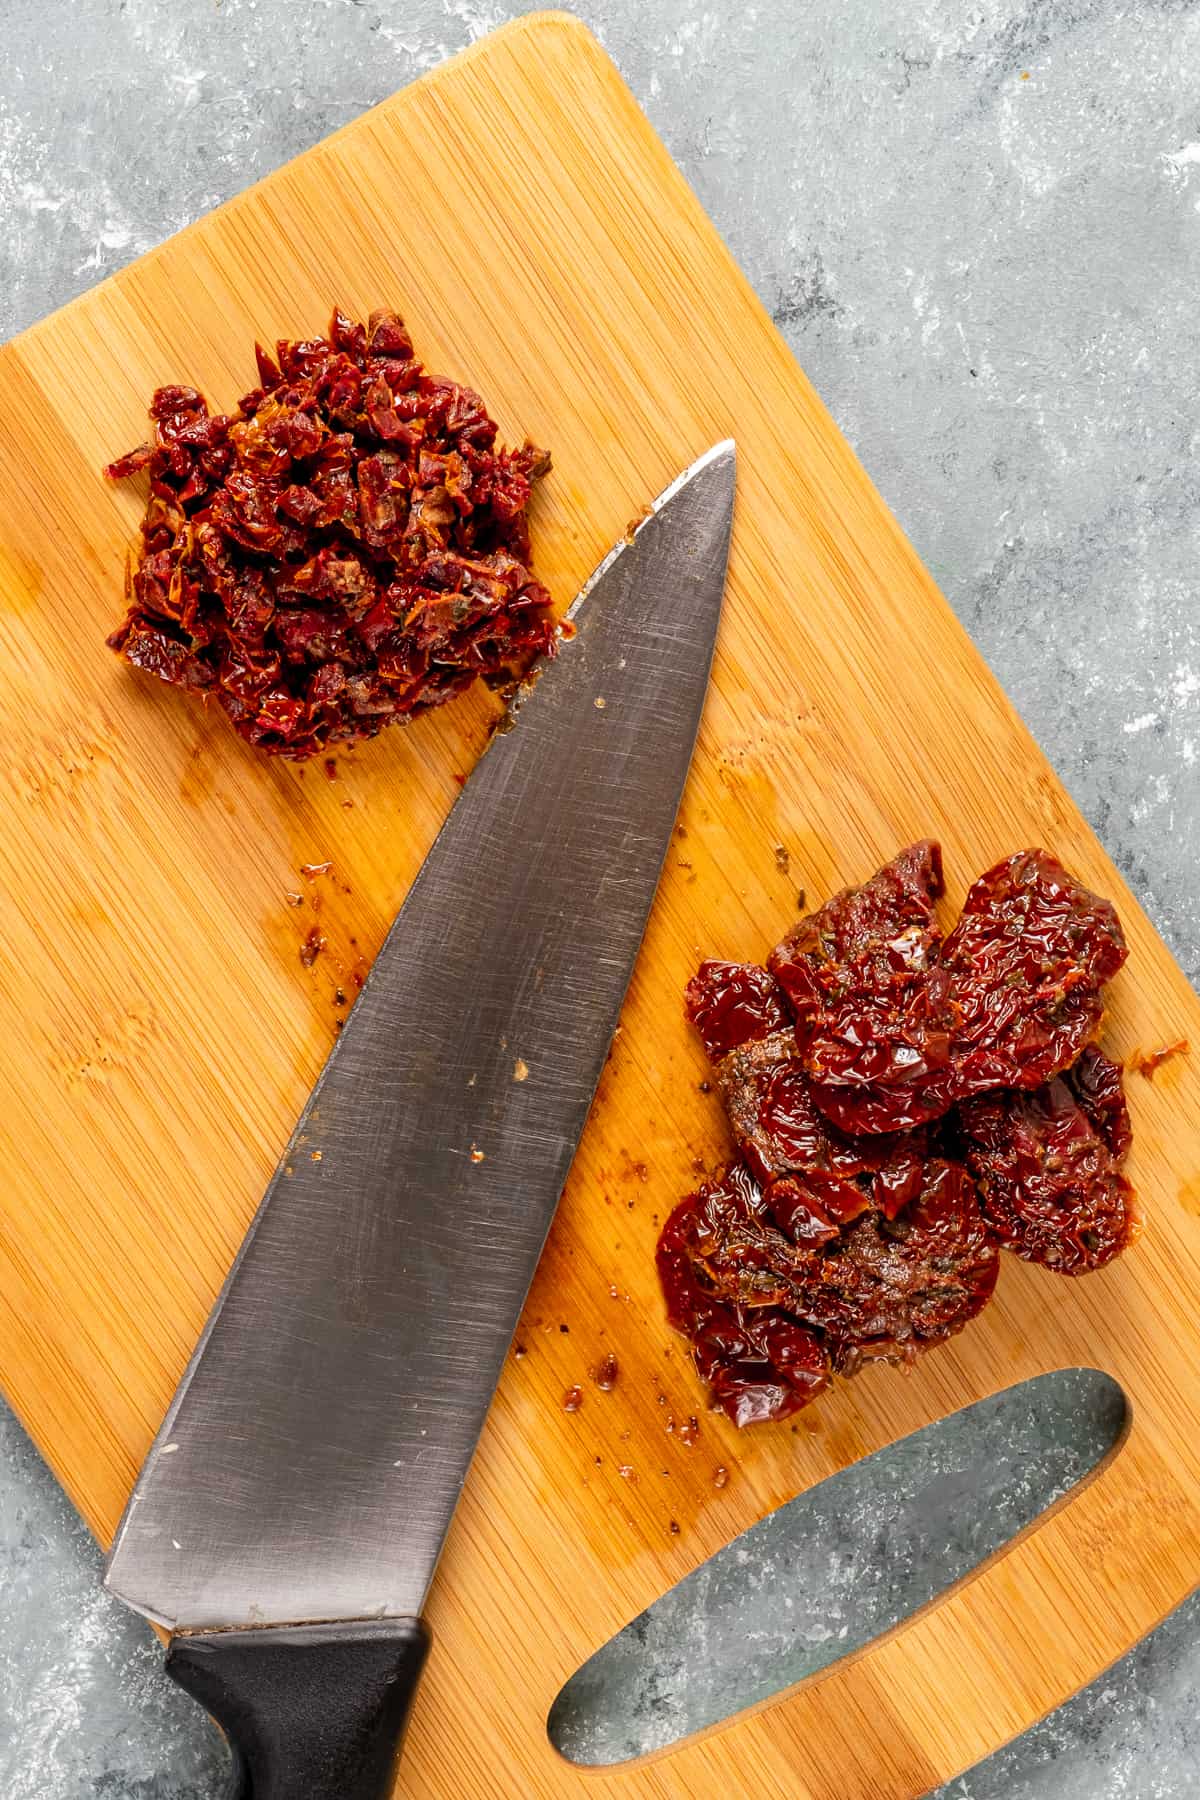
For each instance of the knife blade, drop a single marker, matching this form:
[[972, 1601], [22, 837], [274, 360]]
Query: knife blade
[[290, 1513]]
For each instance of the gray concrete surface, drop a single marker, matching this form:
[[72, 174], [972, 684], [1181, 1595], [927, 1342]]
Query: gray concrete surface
[[978, 223], [833, 1569]]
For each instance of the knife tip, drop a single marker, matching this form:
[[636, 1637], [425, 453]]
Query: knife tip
[[721, 454], [724, 451]]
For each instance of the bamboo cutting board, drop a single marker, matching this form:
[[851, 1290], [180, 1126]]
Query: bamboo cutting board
[[160, 1031]]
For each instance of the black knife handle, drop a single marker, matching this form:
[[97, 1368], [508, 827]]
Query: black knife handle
[[312, 1712]]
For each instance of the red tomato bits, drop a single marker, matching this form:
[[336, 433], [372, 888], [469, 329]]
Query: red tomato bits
[[904, 1106], [347, 548]]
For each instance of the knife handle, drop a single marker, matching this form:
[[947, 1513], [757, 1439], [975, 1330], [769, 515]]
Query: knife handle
[[312, 1712]]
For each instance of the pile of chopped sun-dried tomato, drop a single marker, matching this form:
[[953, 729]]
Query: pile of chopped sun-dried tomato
[[904, 1106], [347, 548]]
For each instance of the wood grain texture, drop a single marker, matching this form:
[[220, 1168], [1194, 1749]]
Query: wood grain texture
[[160, 1032]]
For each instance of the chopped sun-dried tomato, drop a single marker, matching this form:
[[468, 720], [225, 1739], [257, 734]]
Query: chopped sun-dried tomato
[[346, 549]]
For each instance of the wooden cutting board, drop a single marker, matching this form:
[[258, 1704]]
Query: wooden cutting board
[[160, 1031]]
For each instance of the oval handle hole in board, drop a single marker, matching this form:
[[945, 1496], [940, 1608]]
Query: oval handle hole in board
[[837, 1567]]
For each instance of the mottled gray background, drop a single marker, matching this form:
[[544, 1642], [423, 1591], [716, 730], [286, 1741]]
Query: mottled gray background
[[979, 226]]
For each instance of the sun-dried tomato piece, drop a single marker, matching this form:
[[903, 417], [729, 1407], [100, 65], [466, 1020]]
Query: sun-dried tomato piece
[[732, 1003], [132, 463], [714, 1261], [1025, 964], [1047, 1163], [890, 1287], [856, 974], [153, 649], [868, 945], [350, 547], [780, 1132], [775, 1125]]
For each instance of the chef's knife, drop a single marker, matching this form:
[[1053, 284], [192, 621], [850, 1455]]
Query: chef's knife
[[290, 1514]]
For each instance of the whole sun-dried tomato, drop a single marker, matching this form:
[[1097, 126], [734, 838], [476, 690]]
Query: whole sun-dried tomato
[[768, 1317], [903, 1107], [866, 950], [1047, 1165], [724, 1269], [346, 549]]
